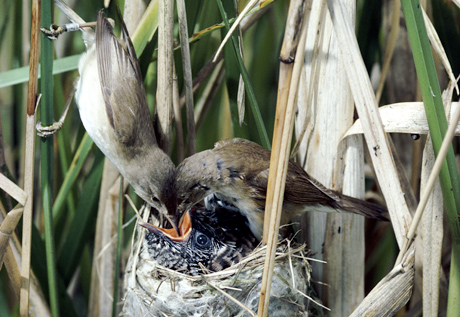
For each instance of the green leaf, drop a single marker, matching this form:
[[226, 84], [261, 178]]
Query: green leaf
[[83, 223], [437, 122], [21, 75]]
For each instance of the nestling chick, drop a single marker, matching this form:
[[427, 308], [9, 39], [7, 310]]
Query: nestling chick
[[216, 240]]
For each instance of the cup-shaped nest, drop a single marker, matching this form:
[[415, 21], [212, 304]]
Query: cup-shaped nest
[[152, 289]]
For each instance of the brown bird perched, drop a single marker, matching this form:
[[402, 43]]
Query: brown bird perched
[[114, 111], [236, 172], [211, 240]]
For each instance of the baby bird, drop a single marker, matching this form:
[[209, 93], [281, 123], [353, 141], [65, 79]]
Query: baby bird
[[210, 240]]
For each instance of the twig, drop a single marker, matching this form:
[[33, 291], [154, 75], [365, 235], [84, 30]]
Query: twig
[[13, 190], [233, 299], [234, 26]]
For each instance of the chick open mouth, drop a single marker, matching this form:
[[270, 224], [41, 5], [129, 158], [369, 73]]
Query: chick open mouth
[[185, 228]]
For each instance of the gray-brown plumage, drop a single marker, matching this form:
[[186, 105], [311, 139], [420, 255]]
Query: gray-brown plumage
[[236, 171], [114, 111]]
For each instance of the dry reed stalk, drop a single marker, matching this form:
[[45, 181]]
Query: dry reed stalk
[[7, 227], [100, 299], [132, 13], [13, 190], [325, 113], [371, 121], [403, 117], [410, 118], [12, 268], [392, 292], [204, 103], [165, 72], [38, 305], [431, 200], [432, 227], [381, 157], [315, 63], [389, 47], [29, 157], [433, 177], [188, 83], [178, 119], [291, 60]]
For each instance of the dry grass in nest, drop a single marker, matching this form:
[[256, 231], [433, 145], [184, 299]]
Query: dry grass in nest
[[151, 289]]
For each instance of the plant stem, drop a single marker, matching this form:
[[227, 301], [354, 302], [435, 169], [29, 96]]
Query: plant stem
[[47, 154], [449, 177]]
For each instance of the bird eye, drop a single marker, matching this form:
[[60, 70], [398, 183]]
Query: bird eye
[[202, 240]]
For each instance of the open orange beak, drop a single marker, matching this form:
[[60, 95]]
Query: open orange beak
[[185, 228]]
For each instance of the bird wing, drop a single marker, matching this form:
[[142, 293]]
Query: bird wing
[[121, 82], [304, 189], [301, 188]]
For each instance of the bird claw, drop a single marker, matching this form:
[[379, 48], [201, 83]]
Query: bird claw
[[48, 130], [56, 126], [54, 31]]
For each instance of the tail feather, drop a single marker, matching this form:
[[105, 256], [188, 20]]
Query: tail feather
[[362, 207]]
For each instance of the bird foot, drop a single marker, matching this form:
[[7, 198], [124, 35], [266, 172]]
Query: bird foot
[[46, 131], [56, 30], [56, 126]]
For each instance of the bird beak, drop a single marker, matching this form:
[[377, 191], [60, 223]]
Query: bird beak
[[163, 210], [180, 235]]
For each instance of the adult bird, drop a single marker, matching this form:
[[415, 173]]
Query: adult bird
[[113, 108], [236, 172]]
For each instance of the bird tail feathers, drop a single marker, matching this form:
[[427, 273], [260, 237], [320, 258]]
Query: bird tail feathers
[[363, 208]]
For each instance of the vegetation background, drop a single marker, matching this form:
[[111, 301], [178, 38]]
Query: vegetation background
[[78, 188]]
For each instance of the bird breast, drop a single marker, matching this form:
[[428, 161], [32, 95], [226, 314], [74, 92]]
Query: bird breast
[[91, 103]]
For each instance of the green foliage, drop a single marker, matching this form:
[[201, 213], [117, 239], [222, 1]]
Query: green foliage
[[66, 213]]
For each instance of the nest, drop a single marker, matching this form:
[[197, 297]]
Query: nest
[[153, 290]]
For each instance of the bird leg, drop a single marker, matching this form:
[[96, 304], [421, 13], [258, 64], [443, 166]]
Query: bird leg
[[56, 126], [56, 30], [52, 34]]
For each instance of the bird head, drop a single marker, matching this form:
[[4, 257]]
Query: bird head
[[188, 250], [155, 183], [210, 240], [194, 180]]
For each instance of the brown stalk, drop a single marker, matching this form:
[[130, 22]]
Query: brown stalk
[[178, 120], [210, 90], [185, 50], [291, 61], [29, 157], [165, 72], [7, 228], [374, 133]]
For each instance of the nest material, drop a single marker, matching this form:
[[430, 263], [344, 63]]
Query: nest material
[[153, 290]]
